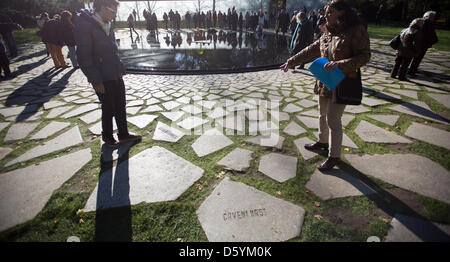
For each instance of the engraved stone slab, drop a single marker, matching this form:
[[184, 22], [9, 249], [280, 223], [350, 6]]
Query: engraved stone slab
[[435, 136], [69, 138], [238, 159], [19, 131], [50, 129], [278, 167], [141, 121], [24, 192], [211, 141], [235, 212], [336, 183], [371, 133], [166, 133], [408, 171], [153, 175], [410, 229]]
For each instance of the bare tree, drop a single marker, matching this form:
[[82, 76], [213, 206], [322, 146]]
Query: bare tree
[[137, 5], [151, 6], [200, 5]]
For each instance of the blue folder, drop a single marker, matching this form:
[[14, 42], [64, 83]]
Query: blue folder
[[330, 79]]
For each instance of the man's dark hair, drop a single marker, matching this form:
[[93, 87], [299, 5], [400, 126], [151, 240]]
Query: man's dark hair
[[99, 3]]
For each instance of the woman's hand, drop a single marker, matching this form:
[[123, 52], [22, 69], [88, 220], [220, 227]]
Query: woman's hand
[[285, 67], [330, 65]]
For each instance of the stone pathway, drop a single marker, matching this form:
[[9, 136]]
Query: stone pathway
[[45, 114]]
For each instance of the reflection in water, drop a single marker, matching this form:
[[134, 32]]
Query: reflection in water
[[201, 50]]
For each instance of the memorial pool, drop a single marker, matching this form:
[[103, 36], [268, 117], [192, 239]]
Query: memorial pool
[[200, 51]]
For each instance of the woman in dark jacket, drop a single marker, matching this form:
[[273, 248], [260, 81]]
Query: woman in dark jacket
[[51, 36], [66, 33], [346, 45], [99, 60], [411, 40]]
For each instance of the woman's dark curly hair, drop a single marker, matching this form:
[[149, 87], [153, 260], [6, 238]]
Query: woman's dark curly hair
[[349, 17]]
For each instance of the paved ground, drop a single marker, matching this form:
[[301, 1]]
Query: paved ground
[[50, 119]]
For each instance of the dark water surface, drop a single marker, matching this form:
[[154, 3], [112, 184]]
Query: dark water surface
[[200, 51]]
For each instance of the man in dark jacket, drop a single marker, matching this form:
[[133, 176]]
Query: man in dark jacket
[[303, 35], [429, 38], [6, 30], [4, 62], [99, 60]]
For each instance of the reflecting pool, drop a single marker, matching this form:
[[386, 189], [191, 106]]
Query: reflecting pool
[[200, 51]]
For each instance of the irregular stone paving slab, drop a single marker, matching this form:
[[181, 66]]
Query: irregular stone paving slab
[[166, 133], [171, 105], [153, 175], [70, 138], [239, 160], [312, 112], [192, 122], [13, 111], [373, 102], [408, 93], [407, 171], [278, 167], [419, 109], [372, 133], [191, 109], [294, 129], [307, 103], [254, 115], [53, 104], [19, 131], [141, 121], [356, 109], [3, 125], [218, 112], [133, 110], [80, 110], [268, 140], [435, 136], [309, 121], [235, 212], [387, 119], [300, 144], [232, 122], [96, 129], [92, 116], [210, 142], [263, 127], [280, 116], [152, 108], [24, 192], [346, 141], [336, 183], [442, 99], [173, 116], [346, 119], [50, 129], [4, 151], [411, 229], [58, 111], [292, 108]]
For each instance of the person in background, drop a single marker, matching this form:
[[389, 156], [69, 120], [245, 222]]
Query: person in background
[[320, 21], [165, 19], [66, 33], [51, 36], [411, 41], [6, 30], [429, 38], [99, 60], [293, 22], [303, 35], [43, 18], [131, 24], [4, 63], [346, 45]]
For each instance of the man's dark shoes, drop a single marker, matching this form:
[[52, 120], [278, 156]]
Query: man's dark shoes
[[130, 137], [111, 142], [329, 163], [317, 146]]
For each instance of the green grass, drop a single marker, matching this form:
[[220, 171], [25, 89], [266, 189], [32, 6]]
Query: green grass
[[27, 36], [389, 32]]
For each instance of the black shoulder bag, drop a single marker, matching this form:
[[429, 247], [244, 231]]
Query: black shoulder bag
[[349, 90], [395, 42]]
